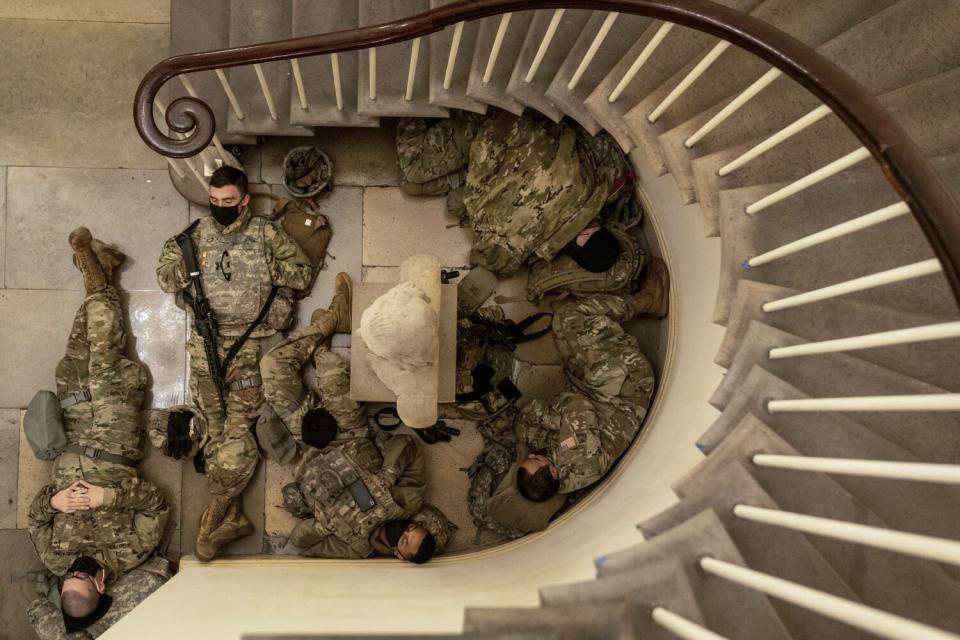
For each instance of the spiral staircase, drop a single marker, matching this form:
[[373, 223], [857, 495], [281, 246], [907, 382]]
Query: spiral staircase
[[825, 502]]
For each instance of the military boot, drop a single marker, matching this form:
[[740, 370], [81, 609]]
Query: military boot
[[653, 298], [211, 519], [337, 317], [110, 258], [94, 280], [234, 526]]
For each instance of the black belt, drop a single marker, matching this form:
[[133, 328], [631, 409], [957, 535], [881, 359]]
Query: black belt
[[100, 454]]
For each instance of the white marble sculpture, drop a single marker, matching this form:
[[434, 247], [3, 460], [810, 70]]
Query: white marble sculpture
[[402, 332]]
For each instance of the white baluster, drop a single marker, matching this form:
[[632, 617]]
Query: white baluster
[[298, 79], [837, 231], [372, 75], [216, 139], [544, 44], [176, 169], [689, 79], [495, 50], [745, 96], [784, 134], [890, 276], [412, 69], [266, 91], [881, 623], [913, 402], [452, 56], [162, 109], [641, 60], [337, 86], [911, 544], [231, 96], [680, 626], [592, 51], [913, 335], [891, 470], [819, 175]]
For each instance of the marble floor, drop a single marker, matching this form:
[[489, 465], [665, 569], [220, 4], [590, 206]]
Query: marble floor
[[69, 155]]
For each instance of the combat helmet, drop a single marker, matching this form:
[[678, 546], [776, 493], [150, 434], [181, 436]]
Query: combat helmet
[[306, 172]]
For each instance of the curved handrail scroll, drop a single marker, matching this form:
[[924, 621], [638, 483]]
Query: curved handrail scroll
[[906, 169]]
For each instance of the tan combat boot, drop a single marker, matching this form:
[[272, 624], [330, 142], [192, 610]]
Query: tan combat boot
[[211, 519], [110, 258], [94, 280], [337, 317], [653, 298], [234, 526]]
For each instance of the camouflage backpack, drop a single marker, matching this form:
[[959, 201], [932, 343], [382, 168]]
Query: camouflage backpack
[[563, 275]]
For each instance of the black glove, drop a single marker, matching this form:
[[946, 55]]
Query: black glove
[[200, 462], [178, 443], [439, 432]]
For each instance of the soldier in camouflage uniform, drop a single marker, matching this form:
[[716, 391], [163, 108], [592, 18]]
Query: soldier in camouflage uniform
[[241, 258], [433, 153]]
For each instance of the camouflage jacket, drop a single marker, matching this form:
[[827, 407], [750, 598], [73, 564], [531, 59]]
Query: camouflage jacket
[[240, 264], [531, 188], [127, 592], [428, 150], [119, 535]]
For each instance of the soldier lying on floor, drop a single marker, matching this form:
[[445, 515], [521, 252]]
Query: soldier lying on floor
[[97, 520], [358, 495]]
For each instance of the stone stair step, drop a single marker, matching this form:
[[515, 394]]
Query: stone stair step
[[679, 47], [763, 546], [531, 94], [256, 22], [601, 620], [931, 361], [621, 36], [194, 27], [935, 434], [727, 608], [310, 18], [907, 586], [494, 91], [440, 43], [393, 63], [660, 582], [894, 243]]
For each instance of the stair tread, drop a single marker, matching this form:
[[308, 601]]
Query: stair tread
[[611, 620], [926, 508], [907, 586], [393, 63], [494, 92], [440, 43]]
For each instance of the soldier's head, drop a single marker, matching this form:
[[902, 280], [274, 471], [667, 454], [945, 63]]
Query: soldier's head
[[82, 587], [318, 427], [538, 479], [596, 249], [410, 541], [228, 194]]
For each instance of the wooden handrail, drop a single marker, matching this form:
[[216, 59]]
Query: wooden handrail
[[899, 157]]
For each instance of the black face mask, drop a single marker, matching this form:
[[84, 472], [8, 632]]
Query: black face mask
[[86, 564], [393, 530], [225, 215]]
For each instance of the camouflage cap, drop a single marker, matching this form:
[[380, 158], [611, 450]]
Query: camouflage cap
[[157, 427]]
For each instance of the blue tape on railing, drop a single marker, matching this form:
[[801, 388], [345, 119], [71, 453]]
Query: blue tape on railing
[[745, 265], [602, 560]]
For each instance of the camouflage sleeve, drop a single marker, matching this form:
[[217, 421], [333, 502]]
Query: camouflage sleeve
[[146, 499], [47, 620], [40, 519], [315, 542], [404, 470], [171, 275], [289, 265]]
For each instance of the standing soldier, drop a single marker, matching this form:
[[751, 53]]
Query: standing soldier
[[237, 272]]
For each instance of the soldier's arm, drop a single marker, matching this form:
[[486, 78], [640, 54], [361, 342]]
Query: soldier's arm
[[171, 274], [146, 499], [314, 542], [404, 471], [40, 520], [289, 265]]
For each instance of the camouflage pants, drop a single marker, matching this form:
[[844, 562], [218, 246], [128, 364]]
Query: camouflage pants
[[282, 370], [94, 361], [231, 451]]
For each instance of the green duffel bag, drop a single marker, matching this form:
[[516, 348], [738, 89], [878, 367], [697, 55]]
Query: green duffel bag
[[43, 426]]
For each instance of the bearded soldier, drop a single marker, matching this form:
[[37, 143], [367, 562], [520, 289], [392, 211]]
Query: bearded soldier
[[240, 291], [356, 498]]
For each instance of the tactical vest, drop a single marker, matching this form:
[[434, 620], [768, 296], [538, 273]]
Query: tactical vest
[[326, 488], [562, 274], [236, 275]]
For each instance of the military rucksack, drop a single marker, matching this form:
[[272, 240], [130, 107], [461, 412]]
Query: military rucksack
[[564, 275], [309, 229], [43, 426]]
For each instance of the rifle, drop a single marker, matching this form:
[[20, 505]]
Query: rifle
[[204, 320]]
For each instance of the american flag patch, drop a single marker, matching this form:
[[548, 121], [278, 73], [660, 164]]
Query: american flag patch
[[569, 443]]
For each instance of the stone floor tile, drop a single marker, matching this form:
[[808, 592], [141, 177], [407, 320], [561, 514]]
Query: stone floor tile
[[540, 381], [157, 334], [32, 474], [135, 209], [277, 521], [142, 11], [166, 473], [9, 454], [18, 566], [360, 156], [35, 328], [397, 226], [66, 88]]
